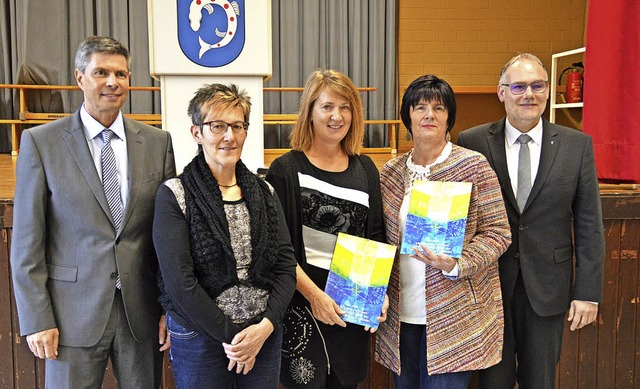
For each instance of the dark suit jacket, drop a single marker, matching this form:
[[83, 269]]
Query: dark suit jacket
[[65, 251], [564, 195]]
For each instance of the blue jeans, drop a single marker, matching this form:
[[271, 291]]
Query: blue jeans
[[198, 362], [413, 363]]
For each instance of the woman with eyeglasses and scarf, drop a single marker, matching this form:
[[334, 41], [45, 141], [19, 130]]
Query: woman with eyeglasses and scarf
[[227, 265]]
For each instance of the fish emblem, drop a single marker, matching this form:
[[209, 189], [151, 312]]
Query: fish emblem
[[232, 11], [200, 22]]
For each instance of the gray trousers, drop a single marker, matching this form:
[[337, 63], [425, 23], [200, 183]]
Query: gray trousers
[[135, 365]]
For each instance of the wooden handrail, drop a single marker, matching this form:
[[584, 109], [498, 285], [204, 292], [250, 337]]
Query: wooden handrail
[[456, 89], [154, 88], [26, 117], [290, 119], [67, 87], [300, 89]]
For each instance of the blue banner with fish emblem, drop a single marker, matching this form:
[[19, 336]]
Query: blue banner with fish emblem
[[211, 33]]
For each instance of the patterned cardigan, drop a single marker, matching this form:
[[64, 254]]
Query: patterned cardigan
[[465, 321]]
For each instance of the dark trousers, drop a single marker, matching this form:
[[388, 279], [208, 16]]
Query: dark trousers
[[413, 363], [531, 347]]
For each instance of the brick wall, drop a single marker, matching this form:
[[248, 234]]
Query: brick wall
[[466, 42]]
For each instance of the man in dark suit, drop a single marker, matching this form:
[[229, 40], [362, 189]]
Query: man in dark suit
[[83, 263], [550, 188]]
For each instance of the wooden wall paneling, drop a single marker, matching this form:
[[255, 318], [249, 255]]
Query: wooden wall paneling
[[379, 377], [6, 330], [606, 355], [587, 357], [39, 369], [607, 329], [167, 373], [27, 373], [635, 302], [567, 370], [109, 381], [588, 337], [627, 309]]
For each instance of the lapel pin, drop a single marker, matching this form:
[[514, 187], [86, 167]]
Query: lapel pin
[[551, 142]]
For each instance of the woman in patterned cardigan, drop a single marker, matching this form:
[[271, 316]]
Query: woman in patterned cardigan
[[445, 317]]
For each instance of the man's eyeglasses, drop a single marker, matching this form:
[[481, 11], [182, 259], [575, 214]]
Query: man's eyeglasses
[[219, 127], [518, 88]]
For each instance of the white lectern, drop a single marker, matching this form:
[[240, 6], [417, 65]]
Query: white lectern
[[197, 42]]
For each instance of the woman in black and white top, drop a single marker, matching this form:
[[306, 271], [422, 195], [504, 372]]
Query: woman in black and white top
[[227, 265], [326, 187]]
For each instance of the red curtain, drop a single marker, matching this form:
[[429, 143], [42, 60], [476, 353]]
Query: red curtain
[[612, 87]]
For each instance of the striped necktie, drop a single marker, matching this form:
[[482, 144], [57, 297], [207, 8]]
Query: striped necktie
[[110, 182]]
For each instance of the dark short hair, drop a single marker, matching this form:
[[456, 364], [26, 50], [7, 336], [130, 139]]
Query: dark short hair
[[99, 44], [221, 97], [428, 88]]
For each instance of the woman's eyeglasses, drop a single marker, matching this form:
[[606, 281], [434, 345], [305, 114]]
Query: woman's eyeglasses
[[219, 127], [518, 88]]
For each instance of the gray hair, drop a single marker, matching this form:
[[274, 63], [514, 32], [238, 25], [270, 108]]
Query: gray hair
[[99, 44], [520, 57]]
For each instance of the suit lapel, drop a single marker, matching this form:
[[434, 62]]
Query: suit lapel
[[496, 142], [548, 152], [136, 152], [76, 142]]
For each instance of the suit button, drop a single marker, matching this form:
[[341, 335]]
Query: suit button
[[114, 275], [520, 227], [517, 255]]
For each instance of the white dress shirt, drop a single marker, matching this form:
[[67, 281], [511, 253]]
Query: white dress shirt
[[512, 148], [92, 130]]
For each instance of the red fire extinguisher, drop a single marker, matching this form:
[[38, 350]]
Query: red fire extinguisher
[[574, 82]]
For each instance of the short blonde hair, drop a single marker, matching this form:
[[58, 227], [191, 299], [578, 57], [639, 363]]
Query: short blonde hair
[[332, 80]]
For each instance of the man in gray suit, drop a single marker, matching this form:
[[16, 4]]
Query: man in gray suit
[[550, 188], [83, 263]]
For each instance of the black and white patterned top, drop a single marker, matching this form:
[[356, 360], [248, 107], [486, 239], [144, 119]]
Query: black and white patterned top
[[241, 303]]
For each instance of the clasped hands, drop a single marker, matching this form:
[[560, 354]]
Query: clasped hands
[[246, 345]]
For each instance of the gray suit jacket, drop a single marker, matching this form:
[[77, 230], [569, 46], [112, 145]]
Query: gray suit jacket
[[564, 196], [65, 252]]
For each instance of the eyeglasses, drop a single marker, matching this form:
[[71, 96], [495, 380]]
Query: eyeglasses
[[518, 88], [219, 127]]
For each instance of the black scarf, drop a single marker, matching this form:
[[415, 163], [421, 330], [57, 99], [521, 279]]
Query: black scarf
[[213, 259]]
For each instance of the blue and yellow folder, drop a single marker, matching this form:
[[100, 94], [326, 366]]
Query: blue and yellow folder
[[358, 278], [437, 216]]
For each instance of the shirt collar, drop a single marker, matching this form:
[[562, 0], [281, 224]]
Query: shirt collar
[[512, 133], [93, 128]]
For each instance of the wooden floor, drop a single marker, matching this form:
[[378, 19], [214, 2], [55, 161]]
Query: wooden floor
[[7, 176]]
